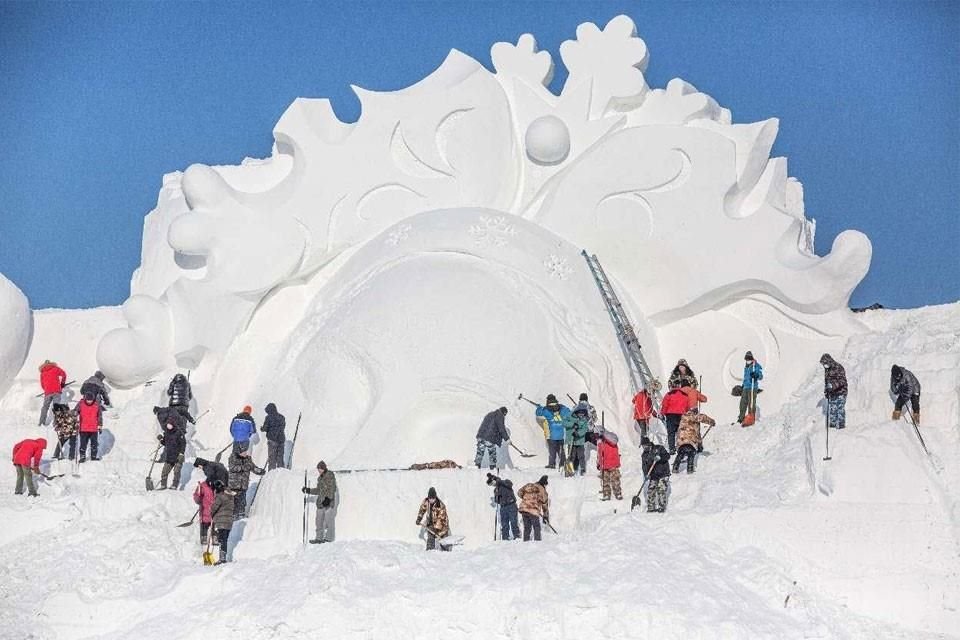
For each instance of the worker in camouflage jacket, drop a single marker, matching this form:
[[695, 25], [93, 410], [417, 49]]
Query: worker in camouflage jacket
[[655, 463], [240, 465], [689, 440], [834, 391], [433, 517], [326, 492]]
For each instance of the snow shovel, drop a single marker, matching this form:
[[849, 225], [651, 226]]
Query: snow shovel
[[208, 560], [220, 453], [149, 478], [547, 522], [190, 521], [46, 477], [522, 453], [65, 385]]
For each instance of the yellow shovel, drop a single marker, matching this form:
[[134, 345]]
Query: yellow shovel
[[208, 555]]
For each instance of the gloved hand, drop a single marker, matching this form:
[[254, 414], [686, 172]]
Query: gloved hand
[[754, 375], [700, 448], [259, 471], [325, 503], [99, 430], [159, 437], [35, 469], [180, 458], [305, 489], [546, 519]]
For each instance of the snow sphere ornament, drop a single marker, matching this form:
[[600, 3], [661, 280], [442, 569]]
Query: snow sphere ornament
[[547, 140]]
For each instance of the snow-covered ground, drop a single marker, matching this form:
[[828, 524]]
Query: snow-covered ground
[[766, 540]]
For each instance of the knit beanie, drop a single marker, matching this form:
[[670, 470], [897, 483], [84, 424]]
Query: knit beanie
[[748, 355], [583, 397], [551, 399], [432, 493], [542, 481]]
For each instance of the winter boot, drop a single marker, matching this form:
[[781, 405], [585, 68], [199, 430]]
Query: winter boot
[[895, 416], [916, 418], [690, 464]]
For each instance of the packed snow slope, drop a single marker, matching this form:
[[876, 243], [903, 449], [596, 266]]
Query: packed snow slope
[[766, 540]]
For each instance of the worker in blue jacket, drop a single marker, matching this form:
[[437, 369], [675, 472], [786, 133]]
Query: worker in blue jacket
[[551, 418], [242, 428], [752, 375]]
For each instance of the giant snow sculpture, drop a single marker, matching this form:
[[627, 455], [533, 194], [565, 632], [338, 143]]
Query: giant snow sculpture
[[703, 233], [15, 337]]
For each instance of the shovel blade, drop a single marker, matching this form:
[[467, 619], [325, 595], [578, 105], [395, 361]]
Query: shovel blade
[[207, 558], [149, 483], [635, 502], [748, 420]]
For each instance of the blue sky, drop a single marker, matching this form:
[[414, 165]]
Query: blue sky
[[99, 100]]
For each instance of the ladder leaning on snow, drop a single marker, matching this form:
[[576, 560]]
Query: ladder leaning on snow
[[639, 370]]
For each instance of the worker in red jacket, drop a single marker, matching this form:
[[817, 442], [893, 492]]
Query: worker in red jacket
[[90, 415], [608, 460], [26, 458], [52, 379], [674, 405], [642, 412]]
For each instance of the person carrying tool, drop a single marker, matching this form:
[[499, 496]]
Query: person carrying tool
[[274, 425], [643, 409], [534, 504], [550, 418], [221, 515], [326, 492], [655, 463], [65, 425], [905, 386], [171, 439], [689, 439], [752, 375], [203, 496], [433, 517], [608, 461], [52, 379], [576, 428], [94, 386], [240, 468], [491, 435], [506, 501], [26, 458], [834, 391]]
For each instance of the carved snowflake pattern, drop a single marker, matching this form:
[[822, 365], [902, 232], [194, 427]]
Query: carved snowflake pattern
[[557, 267], [398, 235], [492, 231]]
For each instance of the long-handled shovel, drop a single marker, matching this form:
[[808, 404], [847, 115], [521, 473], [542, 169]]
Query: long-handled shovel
[[826, 422], [520, 397], [149, 479], [220, 453], [46, 477], [547, 522], [65, 385], [208, 554], [190, 521]]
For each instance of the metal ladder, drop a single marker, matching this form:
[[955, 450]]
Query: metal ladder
[[640, 372]]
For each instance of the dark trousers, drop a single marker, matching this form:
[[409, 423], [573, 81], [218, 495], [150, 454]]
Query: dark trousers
[[58, 452], [748, 403], [275, 454], [673, 425], [914, 402], [579, 456], [689, 452], [432, 543], [555, 449], [508, 522], [240, 504], [223, 535], [531, 523], [94, 439], [204, 530]]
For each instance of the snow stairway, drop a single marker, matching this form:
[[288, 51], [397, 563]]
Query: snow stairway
[[639, 369]]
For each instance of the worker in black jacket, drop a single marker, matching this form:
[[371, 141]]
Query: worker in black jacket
[[506, 502], [655, 462]]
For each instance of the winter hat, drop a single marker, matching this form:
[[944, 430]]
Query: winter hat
[[247, 409], [825, 359], [432, 493], [551, 399], [683, 362], [542, 481], [99, 375], [748, 355], [583, 397], [645, 441], [502, 410], [322, 465], [88, 397], [270, 408]]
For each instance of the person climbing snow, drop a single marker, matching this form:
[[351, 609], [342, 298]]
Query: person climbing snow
[[694, 397], [550, 418], [674, 405], [506, 502], [242, 428], [65, 425], [274, 425], [90, 415], [608, 461], [221, 515], [655, 463], [534, 504], [835, 391], [432, 516], [643, 409], [584, 403], [203, 496], [576, 428], [326, 492], [689, 439], [213, 471], [26, 458], [94, 386], [240, 467], [52, 380], [172, 439], [682, 373], [491, 435], [905, 386], [752, 375], [179, 391]]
